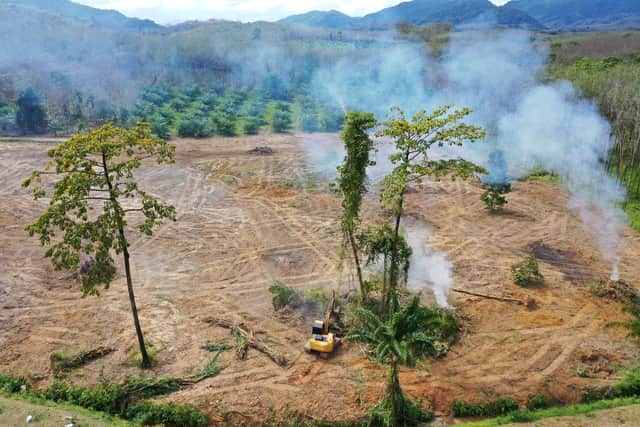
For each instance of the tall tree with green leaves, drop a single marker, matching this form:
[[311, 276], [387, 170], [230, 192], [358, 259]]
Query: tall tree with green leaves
[[352, 179], [93, 193], [413, 139]]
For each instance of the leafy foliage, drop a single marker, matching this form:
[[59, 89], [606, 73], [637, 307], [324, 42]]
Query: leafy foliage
[[411, 164], [501, 406], [96, 173], [407, 336], [527, 272], [493, 198], [96, 167], [352, 176], [377, 244]]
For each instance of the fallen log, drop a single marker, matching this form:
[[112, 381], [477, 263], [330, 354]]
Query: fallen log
[[493, 297], [249, 339]]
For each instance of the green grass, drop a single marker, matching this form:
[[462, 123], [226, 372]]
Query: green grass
[[544, 176], [568, 411], [18, 406]]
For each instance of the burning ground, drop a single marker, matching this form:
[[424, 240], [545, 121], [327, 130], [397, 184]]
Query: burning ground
[[245, 220]]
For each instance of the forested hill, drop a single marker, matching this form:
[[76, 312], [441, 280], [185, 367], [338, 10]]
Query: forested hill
[[582, 14], [108, 19], [563, 15], [420, 12]]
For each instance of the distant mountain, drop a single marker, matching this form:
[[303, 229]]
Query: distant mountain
[[332, 19], [429, 11], [108, 19], [582, 14], [420, 12]]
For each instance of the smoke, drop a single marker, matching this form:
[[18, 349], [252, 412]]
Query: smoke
[[428, 268], [531, 124], [376, 78]]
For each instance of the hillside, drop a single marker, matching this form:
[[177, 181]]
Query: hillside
[[109, 19], [421, 12], [331, 19], [582, 14]]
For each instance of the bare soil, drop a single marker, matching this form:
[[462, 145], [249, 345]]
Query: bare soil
[[241, 225]]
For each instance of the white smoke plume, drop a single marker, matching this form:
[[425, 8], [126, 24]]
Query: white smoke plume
[[428, 269], [531, 124]]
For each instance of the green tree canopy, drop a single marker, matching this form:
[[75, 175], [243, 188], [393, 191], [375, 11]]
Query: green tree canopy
[[94, 191], [411, 162]]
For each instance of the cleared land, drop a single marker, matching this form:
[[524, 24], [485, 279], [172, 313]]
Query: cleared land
[[245, 220]]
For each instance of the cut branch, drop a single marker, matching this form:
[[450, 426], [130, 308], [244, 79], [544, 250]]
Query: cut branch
[[493, 297], [248, 335]]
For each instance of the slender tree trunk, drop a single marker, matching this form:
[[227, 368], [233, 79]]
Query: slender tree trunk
[[393, 273], [356, 257], [394, 394], [146, 361]]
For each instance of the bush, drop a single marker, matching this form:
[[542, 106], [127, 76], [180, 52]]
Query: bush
[[124, 401], [498, 407], [194, 127], [380, 415], [9, 384], [540, 401], [251, 126], [493, 198], [628, 387], [167, 414], [527, 273], [281, 121]]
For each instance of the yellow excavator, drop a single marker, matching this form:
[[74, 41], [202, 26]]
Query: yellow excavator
[[322, 341]]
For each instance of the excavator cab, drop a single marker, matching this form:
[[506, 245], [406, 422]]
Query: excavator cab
[[322, 341]]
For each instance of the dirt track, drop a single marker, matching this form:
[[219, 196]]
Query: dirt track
[[239, 228]]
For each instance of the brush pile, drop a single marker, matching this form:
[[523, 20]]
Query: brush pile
[[261, 151], [615, 290]]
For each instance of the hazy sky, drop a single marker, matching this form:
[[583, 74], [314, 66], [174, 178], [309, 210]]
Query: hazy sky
[[173, 11]]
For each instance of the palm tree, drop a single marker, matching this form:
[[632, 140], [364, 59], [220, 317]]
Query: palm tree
[[399, 341]]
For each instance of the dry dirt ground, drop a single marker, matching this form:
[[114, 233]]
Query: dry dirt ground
[[243, 221]]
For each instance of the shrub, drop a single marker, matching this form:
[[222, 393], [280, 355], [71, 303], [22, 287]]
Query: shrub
[[193, 127], [628, 387], [251, 126], [167, 414], [380, 415], [539, 401], [498, 407], [9, 384], [527, 273], [493, 198]]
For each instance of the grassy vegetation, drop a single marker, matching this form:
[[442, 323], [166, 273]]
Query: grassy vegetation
[[308, 301], [500, 406], [126, 401], [15, 408], [539, 414], [544, 176]]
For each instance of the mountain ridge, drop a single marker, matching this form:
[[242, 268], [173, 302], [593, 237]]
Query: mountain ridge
[[99, 18]]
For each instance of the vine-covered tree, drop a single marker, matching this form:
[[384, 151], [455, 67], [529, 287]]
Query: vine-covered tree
[[413, 139], [352, 180], [94, 191]]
